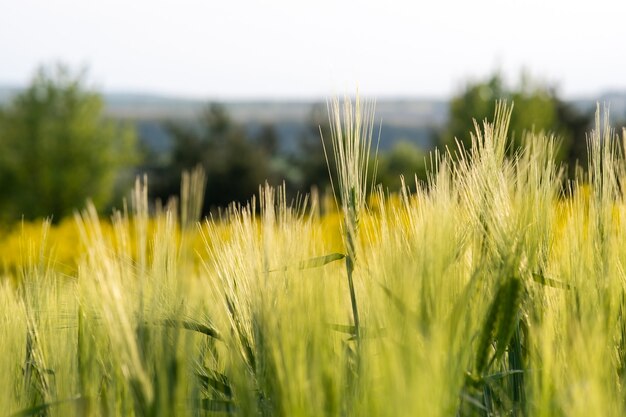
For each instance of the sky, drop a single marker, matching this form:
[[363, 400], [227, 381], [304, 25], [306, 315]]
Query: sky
[[247, 49]]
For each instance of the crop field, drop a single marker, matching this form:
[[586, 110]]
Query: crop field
[[496, 289]]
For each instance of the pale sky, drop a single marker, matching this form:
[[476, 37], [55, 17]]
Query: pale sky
[[301, 49]]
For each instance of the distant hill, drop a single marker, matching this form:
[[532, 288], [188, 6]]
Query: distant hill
[[412, 119], [615, 100]]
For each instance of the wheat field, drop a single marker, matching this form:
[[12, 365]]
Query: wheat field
[[496, 289]]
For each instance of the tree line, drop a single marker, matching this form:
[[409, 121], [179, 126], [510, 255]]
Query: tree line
[[57, 148]]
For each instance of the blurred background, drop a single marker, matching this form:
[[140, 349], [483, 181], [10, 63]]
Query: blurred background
[[93, 94]]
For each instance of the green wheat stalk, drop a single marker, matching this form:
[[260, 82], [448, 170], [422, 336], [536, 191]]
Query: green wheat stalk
[[351, 137]]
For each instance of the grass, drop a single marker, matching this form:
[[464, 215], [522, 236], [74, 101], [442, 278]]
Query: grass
[[490, 291], [351, 136]]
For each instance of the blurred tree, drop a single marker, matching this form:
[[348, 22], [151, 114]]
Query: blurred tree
[[310, 158], [235, 165], [537, 107], [405, 158], [57, 150], [267, 139], [476, 101], [574, 126]]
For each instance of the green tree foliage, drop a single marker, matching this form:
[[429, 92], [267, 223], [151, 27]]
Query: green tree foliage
[[310, 160], [537, 108], [57, 149], [235, 165], [404, 159]]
